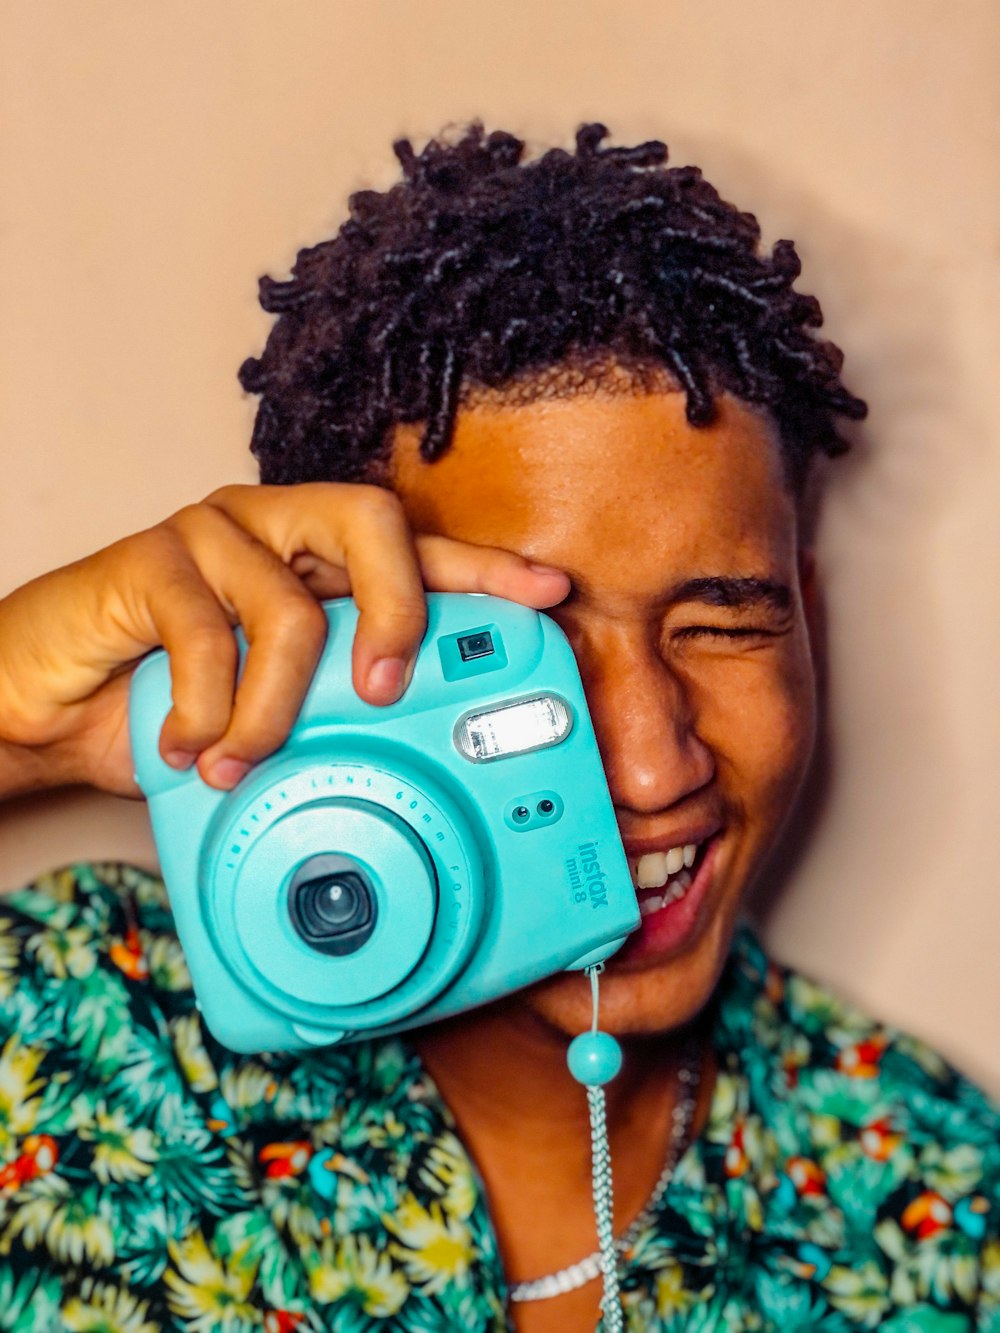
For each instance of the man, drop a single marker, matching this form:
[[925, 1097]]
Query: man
[[574, 383]]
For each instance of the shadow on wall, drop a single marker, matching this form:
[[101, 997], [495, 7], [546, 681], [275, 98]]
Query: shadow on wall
[[882, 798]]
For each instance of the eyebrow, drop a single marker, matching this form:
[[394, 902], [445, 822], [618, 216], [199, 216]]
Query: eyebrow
[[735, 592]]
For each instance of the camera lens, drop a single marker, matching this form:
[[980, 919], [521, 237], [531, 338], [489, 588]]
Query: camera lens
[[335, 903], [545, 807], [520, 813], [334, 913]]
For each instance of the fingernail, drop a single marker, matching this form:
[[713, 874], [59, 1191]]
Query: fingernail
[[227, 772], [387, 677], [179, 758], [543, 569]]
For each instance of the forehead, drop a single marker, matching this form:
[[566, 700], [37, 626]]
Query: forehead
[[617, 489]]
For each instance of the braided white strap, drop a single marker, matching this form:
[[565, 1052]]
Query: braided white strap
[[603, 1209]]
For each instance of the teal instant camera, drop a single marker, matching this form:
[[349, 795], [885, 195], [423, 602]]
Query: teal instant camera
[[391, 866]]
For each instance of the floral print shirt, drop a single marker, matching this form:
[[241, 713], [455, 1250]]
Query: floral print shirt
[[152, 1180]]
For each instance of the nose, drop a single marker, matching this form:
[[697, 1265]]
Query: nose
[[646, 723]]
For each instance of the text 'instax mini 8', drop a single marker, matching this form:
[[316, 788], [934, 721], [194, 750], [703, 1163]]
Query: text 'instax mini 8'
[[389, 866]]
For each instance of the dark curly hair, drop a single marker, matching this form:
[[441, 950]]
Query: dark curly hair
[[481, 272]]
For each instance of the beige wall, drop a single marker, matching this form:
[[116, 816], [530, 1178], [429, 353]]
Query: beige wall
[[157, 156]]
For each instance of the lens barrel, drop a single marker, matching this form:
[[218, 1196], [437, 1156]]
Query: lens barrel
[[334, 913]]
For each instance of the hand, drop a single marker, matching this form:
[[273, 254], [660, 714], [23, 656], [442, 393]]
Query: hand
[[259, 556]]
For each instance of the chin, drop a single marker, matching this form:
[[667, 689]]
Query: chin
[[643, 993]]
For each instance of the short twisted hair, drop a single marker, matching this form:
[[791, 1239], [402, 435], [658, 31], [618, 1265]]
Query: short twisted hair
[[481, 271]]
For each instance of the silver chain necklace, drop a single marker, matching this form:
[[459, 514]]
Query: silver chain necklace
[[587, 1270]]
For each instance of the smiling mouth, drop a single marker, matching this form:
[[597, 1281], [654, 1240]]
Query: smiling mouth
[[663, 878], [674, 900]]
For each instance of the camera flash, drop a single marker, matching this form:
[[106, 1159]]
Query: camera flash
[[529, 724]]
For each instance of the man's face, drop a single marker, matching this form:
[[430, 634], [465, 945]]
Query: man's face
[[686, 616]]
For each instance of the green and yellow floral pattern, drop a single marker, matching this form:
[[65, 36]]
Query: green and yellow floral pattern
[[152, 1180]]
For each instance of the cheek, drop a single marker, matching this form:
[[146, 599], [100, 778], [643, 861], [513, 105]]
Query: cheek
[[760, 723], [792, 735]]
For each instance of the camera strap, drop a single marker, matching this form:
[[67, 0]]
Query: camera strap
[[594, 1058]]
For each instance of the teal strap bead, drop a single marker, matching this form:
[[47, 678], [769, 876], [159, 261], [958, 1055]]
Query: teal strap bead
[[594, 1058]]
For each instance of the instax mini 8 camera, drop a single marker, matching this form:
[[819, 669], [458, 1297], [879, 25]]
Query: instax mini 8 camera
[[389, 866]]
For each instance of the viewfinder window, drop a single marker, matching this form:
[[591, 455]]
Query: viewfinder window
[[474, 651], [471, 646]]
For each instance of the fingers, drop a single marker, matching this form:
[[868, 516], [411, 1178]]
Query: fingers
[[230, 577], [387, 586], [260, 556], [282, 656], [453, 566], [255, 556], [191, 625], [339, 538]]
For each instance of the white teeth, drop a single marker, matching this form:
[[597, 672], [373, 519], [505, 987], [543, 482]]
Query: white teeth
[[678, 889], [654, 869], [651, 872], [668, 871], [654, 901]]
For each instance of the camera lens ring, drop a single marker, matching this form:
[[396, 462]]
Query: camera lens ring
[[408, 960]]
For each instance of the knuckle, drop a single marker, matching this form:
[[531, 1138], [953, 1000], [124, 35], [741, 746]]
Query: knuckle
[[254, 743], [494, 559], [404, 616], [187, 734], [158, 545], [191, 727], [298, 616], [495, 569], [185, 521], [302, 619], [151, 567], [209, 646], [226, 495], [376, 503]]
